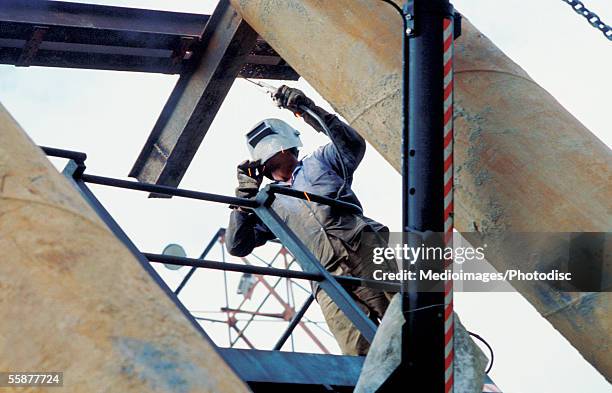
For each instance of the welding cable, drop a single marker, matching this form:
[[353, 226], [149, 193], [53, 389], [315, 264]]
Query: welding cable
[[478, 337], [424, 308], [397, 7], [488, 346]]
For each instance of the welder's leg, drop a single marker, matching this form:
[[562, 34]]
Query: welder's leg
[[349, 339], [374, 302], [359, 264]]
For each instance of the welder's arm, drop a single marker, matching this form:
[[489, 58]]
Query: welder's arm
[[245, 232], [348, 145]]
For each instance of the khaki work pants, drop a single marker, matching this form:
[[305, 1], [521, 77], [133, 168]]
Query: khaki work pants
[[373, 302]]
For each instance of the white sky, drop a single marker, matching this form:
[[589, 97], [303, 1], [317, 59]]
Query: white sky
[[109, 115]]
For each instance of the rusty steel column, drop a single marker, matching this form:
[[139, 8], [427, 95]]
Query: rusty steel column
[[74, 299], [522, 162]]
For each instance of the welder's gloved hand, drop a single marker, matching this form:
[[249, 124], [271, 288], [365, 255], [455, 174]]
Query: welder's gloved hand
[[249, 179], [292, 99]]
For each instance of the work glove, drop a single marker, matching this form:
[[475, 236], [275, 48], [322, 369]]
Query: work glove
[[248, 179], [292, 99]]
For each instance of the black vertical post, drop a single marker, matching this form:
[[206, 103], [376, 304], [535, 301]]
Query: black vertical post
[[423, 366]]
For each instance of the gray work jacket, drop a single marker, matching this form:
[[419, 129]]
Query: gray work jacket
[[328, 233]]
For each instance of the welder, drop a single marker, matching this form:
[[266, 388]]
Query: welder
[[341, 241]]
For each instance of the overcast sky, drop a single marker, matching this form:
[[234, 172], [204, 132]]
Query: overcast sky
[[108, 115]]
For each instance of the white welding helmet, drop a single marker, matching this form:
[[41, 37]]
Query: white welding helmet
[[269, 137]]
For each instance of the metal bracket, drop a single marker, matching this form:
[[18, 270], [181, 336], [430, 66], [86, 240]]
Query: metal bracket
[[457, 18], [79, 168], [180, 53], [31, 46], [77, 159], [409, 18], [265, 196]]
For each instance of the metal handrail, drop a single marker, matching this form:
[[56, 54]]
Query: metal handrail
[[232, 267], [266, 271], [179, 192], [77, 156], [271, 189], [349, 207]]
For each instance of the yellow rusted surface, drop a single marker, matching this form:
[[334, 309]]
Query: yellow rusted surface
[[522, 162], [74, 299]]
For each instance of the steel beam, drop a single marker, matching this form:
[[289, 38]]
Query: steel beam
[[94, 36], [101, 18], [264, 63], [62, 34], [195, 100]]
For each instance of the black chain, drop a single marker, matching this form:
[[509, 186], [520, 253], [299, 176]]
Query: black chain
[[591, 17]]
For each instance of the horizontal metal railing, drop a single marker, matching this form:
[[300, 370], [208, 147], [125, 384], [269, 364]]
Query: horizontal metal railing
[[265, 271]]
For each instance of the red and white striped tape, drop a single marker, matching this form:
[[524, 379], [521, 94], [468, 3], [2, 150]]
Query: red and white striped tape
[[449, 326]]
